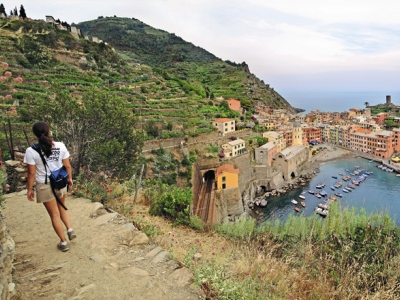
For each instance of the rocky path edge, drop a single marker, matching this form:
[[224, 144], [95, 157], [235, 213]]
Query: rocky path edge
[[110, 258]]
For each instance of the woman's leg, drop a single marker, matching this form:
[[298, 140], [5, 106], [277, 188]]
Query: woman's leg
[[54, 213], [64, 214]]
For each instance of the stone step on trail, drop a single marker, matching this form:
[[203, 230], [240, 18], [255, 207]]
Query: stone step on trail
[[109, 259]]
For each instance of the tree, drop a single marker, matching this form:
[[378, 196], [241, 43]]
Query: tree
[[22, 12], [2, 10], [366, 104], [98, 130], [15, 11]]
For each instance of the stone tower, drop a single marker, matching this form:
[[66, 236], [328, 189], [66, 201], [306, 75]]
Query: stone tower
[[297, 137], [388, 100]]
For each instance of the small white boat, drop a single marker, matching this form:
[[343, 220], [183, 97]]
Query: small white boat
[[294, 201], [302, 197]]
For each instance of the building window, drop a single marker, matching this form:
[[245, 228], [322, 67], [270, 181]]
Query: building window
[[224, 186], [223, 178]]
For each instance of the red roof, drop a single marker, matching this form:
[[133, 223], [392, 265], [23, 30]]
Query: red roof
[[222, 120], [234, 104], [226, 168]]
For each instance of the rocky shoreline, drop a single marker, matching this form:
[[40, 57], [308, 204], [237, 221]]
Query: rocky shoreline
[[329, 153]]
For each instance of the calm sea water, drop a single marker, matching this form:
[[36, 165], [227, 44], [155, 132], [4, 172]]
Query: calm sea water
[[337, 101], [380, 192]]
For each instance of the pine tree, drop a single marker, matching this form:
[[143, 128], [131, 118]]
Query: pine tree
[[11, 13], [22, 12], [2, 10], [15, 11]]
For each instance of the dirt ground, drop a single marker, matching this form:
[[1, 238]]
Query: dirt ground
[[105, 261]]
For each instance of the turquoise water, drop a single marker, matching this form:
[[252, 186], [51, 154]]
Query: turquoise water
[[380, 192]]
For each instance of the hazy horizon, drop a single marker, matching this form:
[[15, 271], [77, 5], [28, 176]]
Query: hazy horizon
[[291, 45]]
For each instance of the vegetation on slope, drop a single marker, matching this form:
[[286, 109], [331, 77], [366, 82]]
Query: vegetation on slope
[[211, 77]]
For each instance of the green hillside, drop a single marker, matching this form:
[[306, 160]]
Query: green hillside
[[210, 76]]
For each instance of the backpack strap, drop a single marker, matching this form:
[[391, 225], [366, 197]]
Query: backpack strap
[[37, 149]]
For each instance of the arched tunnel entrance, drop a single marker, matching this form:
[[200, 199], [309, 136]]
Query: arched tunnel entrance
[[205, 205], [209, 175]]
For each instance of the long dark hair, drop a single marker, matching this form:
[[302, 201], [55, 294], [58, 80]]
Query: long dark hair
[[42, 132]]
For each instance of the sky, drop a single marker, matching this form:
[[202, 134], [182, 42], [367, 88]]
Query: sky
[[308, 45]]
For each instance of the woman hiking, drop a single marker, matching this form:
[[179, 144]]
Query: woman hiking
[[55, 155]]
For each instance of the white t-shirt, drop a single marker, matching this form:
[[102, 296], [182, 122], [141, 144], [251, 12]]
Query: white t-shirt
[[54, 161]]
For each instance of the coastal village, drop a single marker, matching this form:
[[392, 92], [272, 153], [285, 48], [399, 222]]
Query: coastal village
[[285, 161]]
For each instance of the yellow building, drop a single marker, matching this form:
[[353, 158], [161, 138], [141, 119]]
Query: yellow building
[[227, 177], [277, 137]]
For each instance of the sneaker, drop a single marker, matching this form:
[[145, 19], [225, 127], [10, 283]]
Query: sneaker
[[71, 235], [62, 247]]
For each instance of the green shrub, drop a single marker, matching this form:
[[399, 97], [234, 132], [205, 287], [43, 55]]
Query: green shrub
[[196, 223], [170, 201]]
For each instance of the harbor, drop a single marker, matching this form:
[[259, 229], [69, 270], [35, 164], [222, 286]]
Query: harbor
[[376, 192]]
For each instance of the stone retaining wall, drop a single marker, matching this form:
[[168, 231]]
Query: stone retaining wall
[[17, 173], [7, 248]]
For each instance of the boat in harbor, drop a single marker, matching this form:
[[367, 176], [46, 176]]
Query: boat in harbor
[[323, 206], [317, 195], [302, 197], [311, 192], [321, 211], [333, 188], [303, 203], [338, 195], [346, 191], [294, 201], [323, 193], [334, 176], [296, 209]]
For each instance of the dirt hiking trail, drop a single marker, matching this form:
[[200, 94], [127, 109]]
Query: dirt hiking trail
[[109, 259]]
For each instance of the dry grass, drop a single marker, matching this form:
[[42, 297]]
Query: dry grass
[[261, 268]]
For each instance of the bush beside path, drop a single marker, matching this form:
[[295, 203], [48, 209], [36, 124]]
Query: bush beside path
[[110, 258]]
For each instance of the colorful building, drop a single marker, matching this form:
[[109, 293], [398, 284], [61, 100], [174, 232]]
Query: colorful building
[[234, 148], [264, 155], [224, 125], [227, 177]]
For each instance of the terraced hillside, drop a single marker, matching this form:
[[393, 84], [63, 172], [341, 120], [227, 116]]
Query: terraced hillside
[[208, 75]]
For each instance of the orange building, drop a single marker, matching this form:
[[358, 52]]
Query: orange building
[[227, 177], [312, 134], [380, 144]]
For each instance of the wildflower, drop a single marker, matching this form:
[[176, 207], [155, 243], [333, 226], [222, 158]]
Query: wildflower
[[18, 79], [9, 96], [143, 216], [8, 74], [259, 275], [7, 187], [4, 64], [172, 239], [291, 296], [14, 90], [223, 247], [247, 273], [213, 253], [169, 232]]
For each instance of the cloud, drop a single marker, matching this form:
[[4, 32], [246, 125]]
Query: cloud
[[291, 39]]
